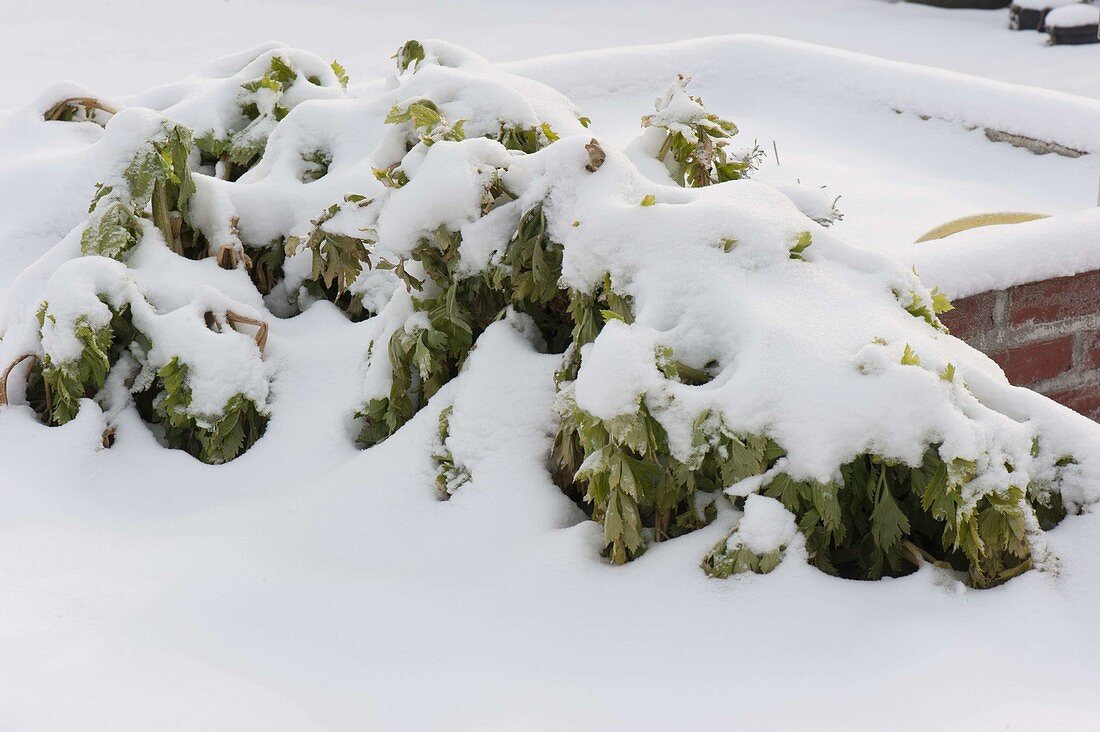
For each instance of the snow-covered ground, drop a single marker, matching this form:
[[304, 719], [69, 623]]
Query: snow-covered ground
[[855, 125], [310, 585], [124, 46]]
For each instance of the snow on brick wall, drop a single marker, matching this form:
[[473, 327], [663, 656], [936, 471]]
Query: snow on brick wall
[[1045, 335]]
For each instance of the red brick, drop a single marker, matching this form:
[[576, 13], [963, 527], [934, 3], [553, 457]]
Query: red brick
[[1052, 300], [1092, 350], [1025, 364], [1085, 399], [972, 315]]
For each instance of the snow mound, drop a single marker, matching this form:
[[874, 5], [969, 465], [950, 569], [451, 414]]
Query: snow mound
[[766, 525], [1072, 16]]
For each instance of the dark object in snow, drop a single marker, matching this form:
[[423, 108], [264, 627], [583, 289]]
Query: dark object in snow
[[1026, 18], [1032, 15], [1073, 24], [1075, 35], [966, 4]]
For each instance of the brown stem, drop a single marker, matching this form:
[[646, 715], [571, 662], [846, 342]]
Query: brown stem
[[227, 257], [261, 332], [913, 553], [54, 113], [7, 372], [919, 556], [177, 228]]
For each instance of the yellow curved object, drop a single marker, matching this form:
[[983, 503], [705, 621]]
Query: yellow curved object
[[973, 222]]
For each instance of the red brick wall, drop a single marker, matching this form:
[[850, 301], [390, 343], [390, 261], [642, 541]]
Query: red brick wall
[[1045, 335]]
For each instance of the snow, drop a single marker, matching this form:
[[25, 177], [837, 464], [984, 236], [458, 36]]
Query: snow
[[445, 190], [1072, 16], [487, 393], [211, 104], [766, 526], [747, 63], [1043, 4], [897, 176], [997, 257], [619, 370], [310, 585], [467, 87], [127, 57]]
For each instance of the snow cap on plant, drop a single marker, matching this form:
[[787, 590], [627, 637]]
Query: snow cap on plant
[[446, 92], [695, 143]]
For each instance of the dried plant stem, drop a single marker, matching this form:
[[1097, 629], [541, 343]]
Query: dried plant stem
[[54, 113], [7, 372], [236, 319]]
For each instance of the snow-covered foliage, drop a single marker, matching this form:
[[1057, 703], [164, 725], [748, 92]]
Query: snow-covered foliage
[[158, 176], [757, 544], [692, 142], [234, 113], [189, 370], [717, 345]]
